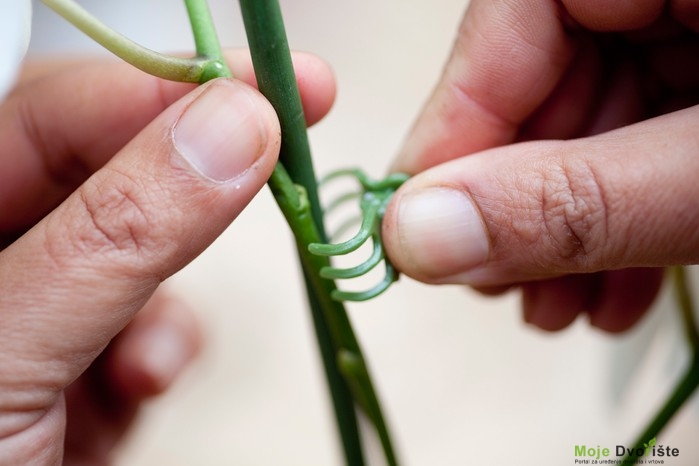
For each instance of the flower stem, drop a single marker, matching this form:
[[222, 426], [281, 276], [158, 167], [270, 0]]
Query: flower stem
[[269, 48], [206, 40], [686, 305], [690, 380], [157, 64]]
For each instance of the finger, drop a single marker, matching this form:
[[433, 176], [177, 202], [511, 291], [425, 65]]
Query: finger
[[61, 126], [614, 15], [536, 210], [625, 296], [153, 349], [554, 304], [687, 12], [578, 89], [507, 59], [74, 280], [614, 300], [141, 361]]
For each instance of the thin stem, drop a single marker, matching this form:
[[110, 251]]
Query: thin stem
[[690, 380], [683, 392], [154, 63], [686, 305], [206, 39]]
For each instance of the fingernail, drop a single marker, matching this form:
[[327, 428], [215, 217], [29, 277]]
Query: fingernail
[[221, 134], [442, 232]]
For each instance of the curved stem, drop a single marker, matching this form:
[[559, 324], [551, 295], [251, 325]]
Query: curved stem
[[157, 64]]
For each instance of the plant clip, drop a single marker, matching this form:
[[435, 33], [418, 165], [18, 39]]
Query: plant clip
[[373, 196]]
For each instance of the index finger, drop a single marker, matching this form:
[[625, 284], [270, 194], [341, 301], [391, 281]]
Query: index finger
[[508, 59], [65, 121]]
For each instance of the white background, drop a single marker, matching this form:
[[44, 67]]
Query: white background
[[463, 380]]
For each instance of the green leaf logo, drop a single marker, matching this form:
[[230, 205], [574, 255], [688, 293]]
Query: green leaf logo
[[649, 445]]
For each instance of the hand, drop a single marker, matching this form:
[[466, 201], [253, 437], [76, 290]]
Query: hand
[[111, 181], [554, 154]]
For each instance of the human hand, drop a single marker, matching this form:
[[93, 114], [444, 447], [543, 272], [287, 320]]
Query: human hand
[[600, 187], [86, 237]]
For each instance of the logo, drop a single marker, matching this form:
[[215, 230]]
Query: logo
[[651, 453], [649, 445]]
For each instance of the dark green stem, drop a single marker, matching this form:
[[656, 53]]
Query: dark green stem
[[683, 392], [686, 305], [690, 380], [335, 335], [271, 58], [274, 71]]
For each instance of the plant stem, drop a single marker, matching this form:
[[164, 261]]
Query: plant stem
[[269, 48], [206, 40], [683, 392], [336, 338], [686, 305], [157, 64], [690, 380], [274, 71]]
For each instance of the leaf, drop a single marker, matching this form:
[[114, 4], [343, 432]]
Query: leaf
[[652, 442]]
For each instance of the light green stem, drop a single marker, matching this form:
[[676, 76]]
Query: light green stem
[[206, 40], [157, 64]]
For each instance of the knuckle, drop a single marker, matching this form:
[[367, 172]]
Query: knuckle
[[118, 220], [574, 212]]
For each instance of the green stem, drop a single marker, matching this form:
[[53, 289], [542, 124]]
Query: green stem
[[274, 70], [333, 326], [683, 392], [206, 40], [157, 64], [686, 305], [690, 380]]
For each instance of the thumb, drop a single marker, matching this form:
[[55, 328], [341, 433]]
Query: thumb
[[627, 198], [73, 281]]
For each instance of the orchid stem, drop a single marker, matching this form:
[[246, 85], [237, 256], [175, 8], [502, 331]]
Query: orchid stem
[[154, 63], [690, 380]]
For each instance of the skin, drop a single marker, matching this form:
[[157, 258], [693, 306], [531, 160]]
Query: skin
[[85, 337], [570, 127]]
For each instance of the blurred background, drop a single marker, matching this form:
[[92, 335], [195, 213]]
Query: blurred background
[[463, 379]]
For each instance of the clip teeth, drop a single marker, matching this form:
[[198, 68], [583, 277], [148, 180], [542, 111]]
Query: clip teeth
[[373, 199]]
